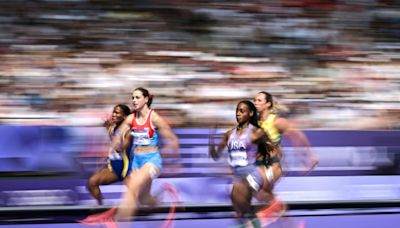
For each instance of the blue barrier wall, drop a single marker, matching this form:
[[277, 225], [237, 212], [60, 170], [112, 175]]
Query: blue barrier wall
[[347, 161], [36, 149], [77, 149]]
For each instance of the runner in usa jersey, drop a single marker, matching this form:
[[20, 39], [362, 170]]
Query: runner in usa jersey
[[245, 143]]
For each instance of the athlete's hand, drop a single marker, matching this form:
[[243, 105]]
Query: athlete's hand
[[211, 146], [213, 154], [107, 123], [311, 163]]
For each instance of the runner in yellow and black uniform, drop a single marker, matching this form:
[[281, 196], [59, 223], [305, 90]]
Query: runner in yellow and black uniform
[[275, 127]]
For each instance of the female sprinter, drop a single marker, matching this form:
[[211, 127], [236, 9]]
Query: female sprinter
[[246, 142], [119, 164], [145, 126], [275, 127]]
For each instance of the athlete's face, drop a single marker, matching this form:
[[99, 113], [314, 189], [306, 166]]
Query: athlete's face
[[117, 115], [260, 102], [243, 113], [138, 100]]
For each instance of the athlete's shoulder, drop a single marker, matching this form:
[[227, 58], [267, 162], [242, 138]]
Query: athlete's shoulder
[[230, 130], [154, 116], [282, 123], [130, 118]]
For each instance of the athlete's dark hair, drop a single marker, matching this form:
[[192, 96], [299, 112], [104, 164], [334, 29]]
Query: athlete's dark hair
[[125, 109], [250, 105], [266, 146], [146, 93]]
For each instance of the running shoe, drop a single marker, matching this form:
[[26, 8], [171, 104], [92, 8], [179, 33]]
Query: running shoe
[[169, 222], [95, 219], [271, 213]]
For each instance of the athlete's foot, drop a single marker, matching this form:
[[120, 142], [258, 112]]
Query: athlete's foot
[[242, 223], [271, 213], [275, 206], [99, 217], [255, 223], [248, 224], [151, 201], [169, 222]]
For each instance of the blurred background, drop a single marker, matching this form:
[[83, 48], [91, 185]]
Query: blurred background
[[333, 63], [64, 64]]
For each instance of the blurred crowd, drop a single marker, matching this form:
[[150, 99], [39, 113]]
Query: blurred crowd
[[333, 64]]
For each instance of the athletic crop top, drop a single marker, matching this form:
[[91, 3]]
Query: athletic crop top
[[144, 134], [241, 151], [269, 127]]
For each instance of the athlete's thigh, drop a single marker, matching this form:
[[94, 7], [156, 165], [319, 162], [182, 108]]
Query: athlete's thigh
[[141, 179], [270, 174], [105, 176], [146, 188], [264, 195], [241, 193]]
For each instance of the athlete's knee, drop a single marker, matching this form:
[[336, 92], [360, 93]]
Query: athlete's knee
[[148, 200], [264, 195], [93, 182]]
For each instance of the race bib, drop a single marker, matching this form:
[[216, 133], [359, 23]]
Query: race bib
[[238, 158], [141, 137]]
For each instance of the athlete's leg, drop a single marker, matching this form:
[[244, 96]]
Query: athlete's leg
[[138, 181], [155, 165], [145, 196], [103, 177], [271, 175], [275, 207], [241, 198]]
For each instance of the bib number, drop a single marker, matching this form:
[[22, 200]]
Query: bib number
[[238, 158], [141, 138]]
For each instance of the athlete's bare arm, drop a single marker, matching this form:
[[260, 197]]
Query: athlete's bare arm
[[297, 138], [171, 140], [216, 153], [122, 130]]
